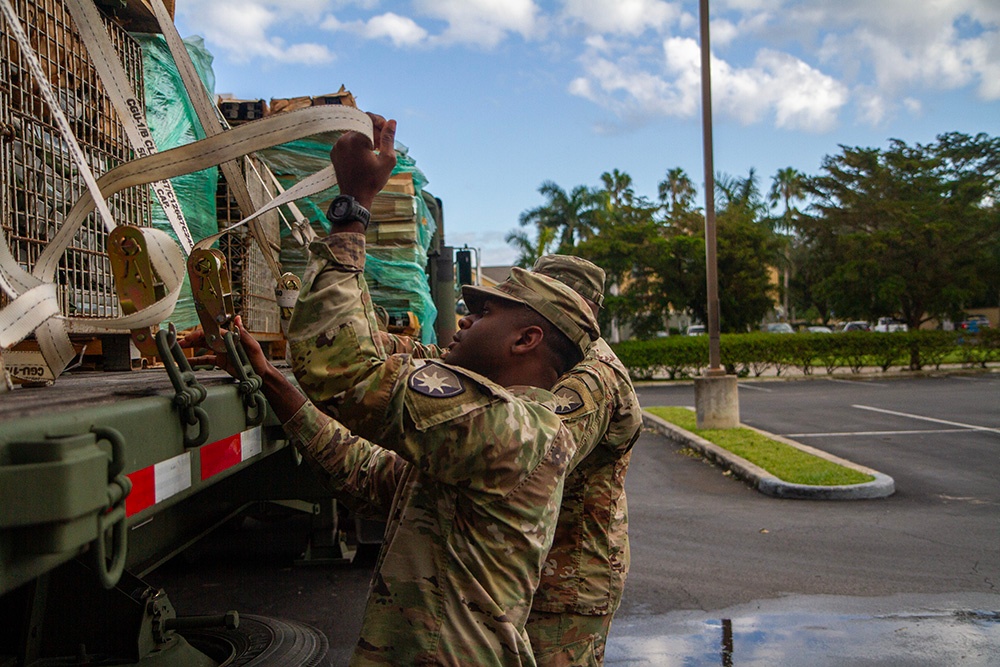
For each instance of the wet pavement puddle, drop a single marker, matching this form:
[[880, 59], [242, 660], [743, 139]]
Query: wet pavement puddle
[[817, 631]]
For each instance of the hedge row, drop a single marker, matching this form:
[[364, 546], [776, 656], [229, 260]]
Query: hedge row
[[755, 353]]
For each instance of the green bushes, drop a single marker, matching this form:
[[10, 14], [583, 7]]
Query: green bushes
[[754, 354]]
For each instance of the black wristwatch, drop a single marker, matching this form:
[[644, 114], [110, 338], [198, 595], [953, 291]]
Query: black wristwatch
[[345, 209]]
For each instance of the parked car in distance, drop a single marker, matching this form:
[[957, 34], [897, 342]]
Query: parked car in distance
[[855, 326], [974, 323], [888, 324], [819, 329], [779, 327], [696, 330]]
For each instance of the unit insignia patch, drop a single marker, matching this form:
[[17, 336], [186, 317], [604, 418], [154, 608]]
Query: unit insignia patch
[[567, 401], [436, 381]]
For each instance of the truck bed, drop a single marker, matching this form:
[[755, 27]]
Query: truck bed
[[62, 446], [93, 388]]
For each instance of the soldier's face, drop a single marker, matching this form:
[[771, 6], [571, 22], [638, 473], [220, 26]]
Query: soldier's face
[[484, 339]]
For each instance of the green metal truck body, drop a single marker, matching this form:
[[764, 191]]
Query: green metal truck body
[[73, 544]]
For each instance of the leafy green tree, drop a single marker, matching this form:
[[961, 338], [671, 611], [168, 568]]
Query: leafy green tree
[[745, 248], [627, 242], [909, 230]]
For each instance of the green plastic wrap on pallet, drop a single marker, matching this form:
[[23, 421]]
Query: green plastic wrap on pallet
[[395, 275], [172, 122]]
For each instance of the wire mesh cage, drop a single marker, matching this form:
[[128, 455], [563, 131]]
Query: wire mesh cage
[[252, 282], [39, 182]]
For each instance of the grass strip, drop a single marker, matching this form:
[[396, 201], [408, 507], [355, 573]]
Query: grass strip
[[785, 462]]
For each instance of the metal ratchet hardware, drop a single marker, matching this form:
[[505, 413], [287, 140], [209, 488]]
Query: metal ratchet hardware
[[135, 283], [213, 294], [287, 293]]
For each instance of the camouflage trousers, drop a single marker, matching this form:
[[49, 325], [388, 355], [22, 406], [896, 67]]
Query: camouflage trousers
[[568, 640]]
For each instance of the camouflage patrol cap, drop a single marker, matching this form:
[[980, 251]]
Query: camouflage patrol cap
[[586, 278], [548, 297]]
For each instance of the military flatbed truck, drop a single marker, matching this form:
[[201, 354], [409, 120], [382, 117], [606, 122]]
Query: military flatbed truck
[[104, 476]]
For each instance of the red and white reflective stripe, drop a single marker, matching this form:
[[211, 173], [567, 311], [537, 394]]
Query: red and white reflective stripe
[[156, 483], [224, 454]]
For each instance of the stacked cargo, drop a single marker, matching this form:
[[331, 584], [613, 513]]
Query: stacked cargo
[[399, 235], [398, 239]]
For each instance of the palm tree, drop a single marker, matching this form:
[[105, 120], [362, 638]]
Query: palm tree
[[529, 251], [677, 191], [787, 185], [568, 215], [618, 186]]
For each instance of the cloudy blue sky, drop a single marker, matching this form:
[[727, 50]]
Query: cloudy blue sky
[[493, 97]]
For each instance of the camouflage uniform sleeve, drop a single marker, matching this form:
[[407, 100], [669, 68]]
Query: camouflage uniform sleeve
[[347, 463], [626, 415], [333, 333], [453, 425], [583, 408], [395, 344]]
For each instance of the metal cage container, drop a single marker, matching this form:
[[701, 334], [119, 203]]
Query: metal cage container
[[252, 282], [39, 182]]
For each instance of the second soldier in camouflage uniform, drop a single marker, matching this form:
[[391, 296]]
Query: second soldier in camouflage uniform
[[585, 570]]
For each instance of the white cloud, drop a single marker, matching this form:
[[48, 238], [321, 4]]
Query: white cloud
[[871, 107], [628, 17], [722, 32], [909, 46], [777, 86], [484, 23], [242, 29], [400, 30]]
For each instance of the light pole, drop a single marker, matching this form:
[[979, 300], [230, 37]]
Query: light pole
[[715, 395], [711, 262]]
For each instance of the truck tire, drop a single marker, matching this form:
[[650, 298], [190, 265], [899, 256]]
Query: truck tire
[[260, 641]]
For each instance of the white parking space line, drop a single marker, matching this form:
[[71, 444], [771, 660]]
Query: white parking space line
[[863, 383], [742, 385], [847, 434], [972, 427]]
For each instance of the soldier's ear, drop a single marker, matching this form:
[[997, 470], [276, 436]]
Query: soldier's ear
[[529, 338]]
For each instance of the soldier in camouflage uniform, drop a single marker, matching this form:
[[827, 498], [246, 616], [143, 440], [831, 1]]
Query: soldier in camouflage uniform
[[476, 496], [585, 570]]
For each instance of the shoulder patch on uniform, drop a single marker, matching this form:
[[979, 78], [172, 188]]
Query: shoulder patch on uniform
[[567, 401], [435, 381]]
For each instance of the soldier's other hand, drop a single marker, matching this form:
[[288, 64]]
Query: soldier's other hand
[[361, 171]]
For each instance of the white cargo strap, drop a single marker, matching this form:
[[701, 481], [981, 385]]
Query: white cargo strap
[[39, 309], [127, 105], [34, 305], [213, 123], [301, 229]]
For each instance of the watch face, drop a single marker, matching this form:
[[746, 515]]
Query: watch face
[[341, 208]]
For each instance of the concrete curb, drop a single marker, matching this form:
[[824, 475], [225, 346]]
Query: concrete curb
[[882, 486]]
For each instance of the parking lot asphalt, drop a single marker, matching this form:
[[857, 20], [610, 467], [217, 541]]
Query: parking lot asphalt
[[907, 580], [722, 574]]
